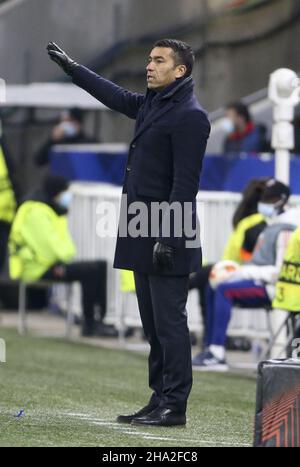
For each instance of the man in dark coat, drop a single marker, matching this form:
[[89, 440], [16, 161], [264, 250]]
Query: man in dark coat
[[164, 165]]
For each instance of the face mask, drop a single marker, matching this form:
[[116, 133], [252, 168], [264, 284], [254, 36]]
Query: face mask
[[65, 199], [267, 210], [228, 125], [69, 128]]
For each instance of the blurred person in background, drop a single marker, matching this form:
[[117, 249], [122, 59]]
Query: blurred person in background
[[68, 130], [248, 224], [242, 133], [41, 248], [8, 197], [164, 164], [251, 285], [251, 196]]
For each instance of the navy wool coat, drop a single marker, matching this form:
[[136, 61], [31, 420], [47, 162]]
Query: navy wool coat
[[164, 164]]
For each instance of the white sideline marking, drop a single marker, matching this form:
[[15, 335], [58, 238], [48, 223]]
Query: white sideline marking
[[146, 435], [159, 438], [74, 414], [115, 426]]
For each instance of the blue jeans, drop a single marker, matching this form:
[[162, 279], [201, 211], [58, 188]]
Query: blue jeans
[[219, 302]]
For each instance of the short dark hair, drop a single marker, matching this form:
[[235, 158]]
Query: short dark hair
[[275, 189], [241, 109], [76, 114], [183, 53]]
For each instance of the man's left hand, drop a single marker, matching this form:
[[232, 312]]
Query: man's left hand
[[61, 58], [163, 257]]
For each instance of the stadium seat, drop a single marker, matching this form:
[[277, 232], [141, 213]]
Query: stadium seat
[[22, 312], [291, 324]]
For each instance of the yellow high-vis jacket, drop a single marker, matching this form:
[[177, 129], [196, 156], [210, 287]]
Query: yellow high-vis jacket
[[7, 196], [235, 249], [288, 286], [39, 239]]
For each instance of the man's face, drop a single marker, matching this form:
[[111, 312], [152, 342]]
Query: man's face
[[238, 121], [233, 116], [161, 68]]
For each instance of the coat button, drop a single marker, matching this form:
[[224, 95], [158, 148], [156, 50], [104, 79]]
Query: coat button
[[133, 145], [128, 169]]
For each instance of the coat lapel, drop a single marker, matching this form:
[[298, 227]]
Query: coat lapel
[[167, 102], [153, 115]]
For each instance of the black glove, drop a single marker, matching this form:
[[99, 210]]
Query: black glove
[[61, 58], [163, 257]]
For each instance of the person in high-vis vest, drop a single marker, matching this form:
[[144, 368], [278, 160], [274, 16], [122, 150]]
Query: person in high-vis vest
[[8, 198], [247, 226], [41, 247], [287, 295]]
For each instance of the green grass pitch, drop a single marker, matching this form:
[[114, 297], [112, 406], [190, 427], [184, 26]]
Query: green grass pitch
[[71, 394]]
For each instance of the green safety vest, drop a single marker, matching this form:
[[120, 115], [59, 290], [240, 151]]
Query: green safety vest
[[288, 286], [234, 248], [39, 239], [127, 281], [7, 196]]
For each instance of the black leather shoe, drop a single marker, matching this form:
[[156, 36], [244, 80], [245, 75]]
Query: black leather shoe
[[161, 417], [141, 413], [105, 330], [99, 330]]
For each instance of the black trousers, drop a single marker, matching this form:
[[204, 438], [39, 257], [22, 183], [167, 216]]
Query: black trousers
[[92, 277], [199, 280], [162, 302]]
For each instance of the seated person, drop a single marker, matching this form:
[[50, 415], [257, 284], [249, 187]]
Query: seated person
[[242, 134], [252, 285], [9, 196], [68, 130], [247, 224], [41, 247]]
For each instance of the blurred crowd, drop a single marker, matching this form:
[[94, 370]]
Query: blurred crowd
[[243, 135]]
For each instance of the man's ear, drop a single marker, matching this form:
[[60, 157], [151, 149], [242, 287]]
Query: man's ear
[[180, 71]]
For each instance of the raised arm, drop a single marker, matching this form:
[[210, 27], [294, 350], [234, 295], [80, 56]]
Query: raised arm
[[111, 95]]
